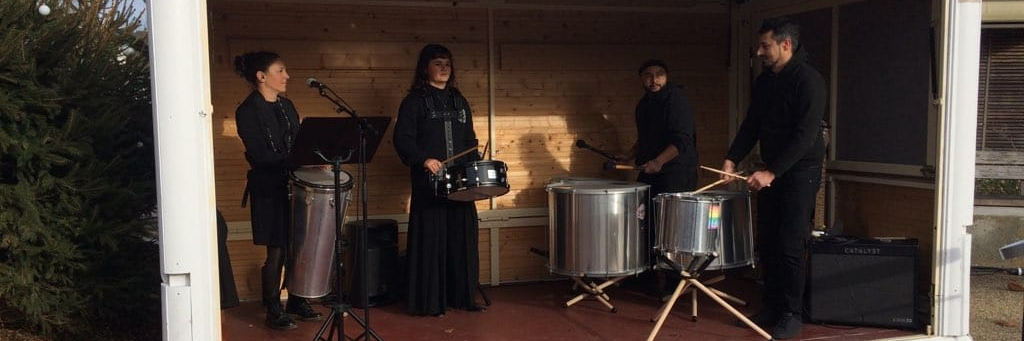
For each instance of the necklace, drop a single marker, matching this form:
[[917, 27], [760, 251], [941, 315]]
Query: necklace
[[286, 123]]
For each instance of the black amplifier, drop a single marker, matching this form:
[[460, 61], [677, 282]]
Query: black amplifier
[[866, 282]]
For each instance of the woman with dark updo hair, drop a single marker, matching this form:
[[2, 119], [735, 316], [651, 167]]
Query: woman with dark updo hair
[[435, 123], [267, 124]]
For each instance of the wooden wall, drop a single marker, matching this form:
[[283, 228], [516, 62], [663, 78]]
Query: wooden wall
[[560, 73], [877, 210]]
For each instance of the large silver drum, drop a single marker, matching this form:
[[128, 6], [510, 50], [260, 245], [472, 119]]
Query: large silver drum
[[691, 225], [597, 228], [313, 230]]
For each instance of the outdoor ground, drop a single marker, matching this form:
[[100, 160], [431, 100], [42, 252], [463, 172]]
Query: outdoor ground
[[996, 311]]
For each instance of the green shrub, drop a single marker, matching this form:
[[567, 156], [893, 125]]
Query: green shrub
[[77, 256], [997, 187]]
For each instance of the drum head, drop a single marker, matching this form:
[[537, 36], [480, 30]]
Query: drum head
[[708, 196], [486, 163], [315, 177], [572, 180], [597, 187]]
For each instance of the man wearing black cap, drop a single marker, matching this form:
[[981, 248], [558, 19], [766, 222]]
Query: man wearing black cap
[[665, 151]]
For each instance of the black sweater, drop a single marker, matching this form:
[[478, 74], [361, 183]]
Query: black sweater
[[785, 115], [665, 118]]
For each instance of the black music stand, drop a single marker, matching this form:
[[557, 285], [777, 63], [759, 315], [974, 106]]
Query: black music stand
[[327, 140]]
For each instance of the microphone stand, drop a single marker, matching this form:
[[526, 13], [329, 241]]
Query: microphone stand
[[339, 308]]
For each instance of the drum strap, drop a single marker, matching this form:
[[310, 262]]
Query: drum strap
[[439, 110], [449, 146]]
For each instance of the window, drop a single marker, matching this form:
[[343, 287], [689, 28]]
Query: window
[[1000, 144]]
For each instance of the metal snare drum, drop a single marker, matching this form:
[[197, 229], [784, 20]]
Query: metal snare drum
[[475, 180], [313, 229], [690, 225], [597, 229]]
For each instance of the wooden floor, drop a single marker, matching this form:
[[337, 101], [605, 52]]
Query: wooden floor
[[536, 311]]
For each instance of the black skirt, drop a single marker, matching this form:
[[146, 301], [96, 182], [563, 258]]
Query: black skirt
[[443, 254], [269, 207]]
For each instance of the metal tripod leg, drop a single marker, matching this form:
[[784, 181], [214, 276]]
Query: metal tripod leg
[[480, 288], [329, 323], [691, 280], [595, 290], [693, 297]]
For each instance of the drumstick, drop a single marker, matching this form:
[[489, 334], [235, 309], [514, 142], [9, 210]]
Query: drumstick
[[713, 184], [487, 147], [456, 156], [612, 165], [735, 175]]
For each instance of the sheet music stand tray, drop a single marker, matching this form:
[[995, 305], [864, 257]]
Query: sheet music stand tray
[[330, 136]]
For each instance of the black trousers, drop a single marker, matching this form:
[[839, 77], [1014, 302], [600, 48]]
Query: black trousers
[[785, 213]]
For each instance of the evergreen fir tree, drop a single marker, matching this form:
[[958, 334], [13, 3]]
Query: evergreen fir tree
[[77, 251]]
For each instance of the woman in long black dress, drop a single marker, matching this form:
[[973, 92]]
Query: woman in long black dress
[[434, 124], [267, 124]]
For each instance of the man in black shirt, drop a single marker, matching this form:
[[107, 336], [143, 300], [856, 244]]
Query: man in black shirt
[[665, 151], [785, 115]]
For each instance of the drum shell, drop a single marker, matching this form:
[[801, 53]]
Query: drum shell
[[313, 231], [476, 180], [598, 229], [687, 228]]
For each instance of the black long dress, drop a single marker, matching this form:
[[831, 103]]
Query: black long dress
[[267, 130], [442, 240]]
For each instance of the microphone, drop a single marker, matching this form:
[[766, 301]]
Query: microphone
[[313, 83]]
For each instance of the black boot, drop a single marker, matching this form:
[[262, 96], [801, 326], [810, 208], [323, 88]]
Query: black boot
[[277, 319], [788, 326], [270, 278], [298, 308]]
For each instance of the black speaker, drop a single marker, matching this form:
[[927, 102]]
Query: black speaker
[[381, 262], [864, 282]]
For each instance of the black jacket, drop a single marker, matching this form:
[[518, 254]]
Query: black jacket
[[785, 115], [266, 132]]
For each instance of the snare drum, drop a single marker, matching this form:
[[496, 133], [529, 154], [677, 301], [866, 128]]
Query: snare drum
[[597, 228], [475, 180], [313, 229], [689, 226]]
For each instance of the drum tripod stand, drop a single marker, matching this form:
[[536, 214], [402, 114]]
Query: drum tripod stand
[[690, 275], [693, 295], [595, 290]]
